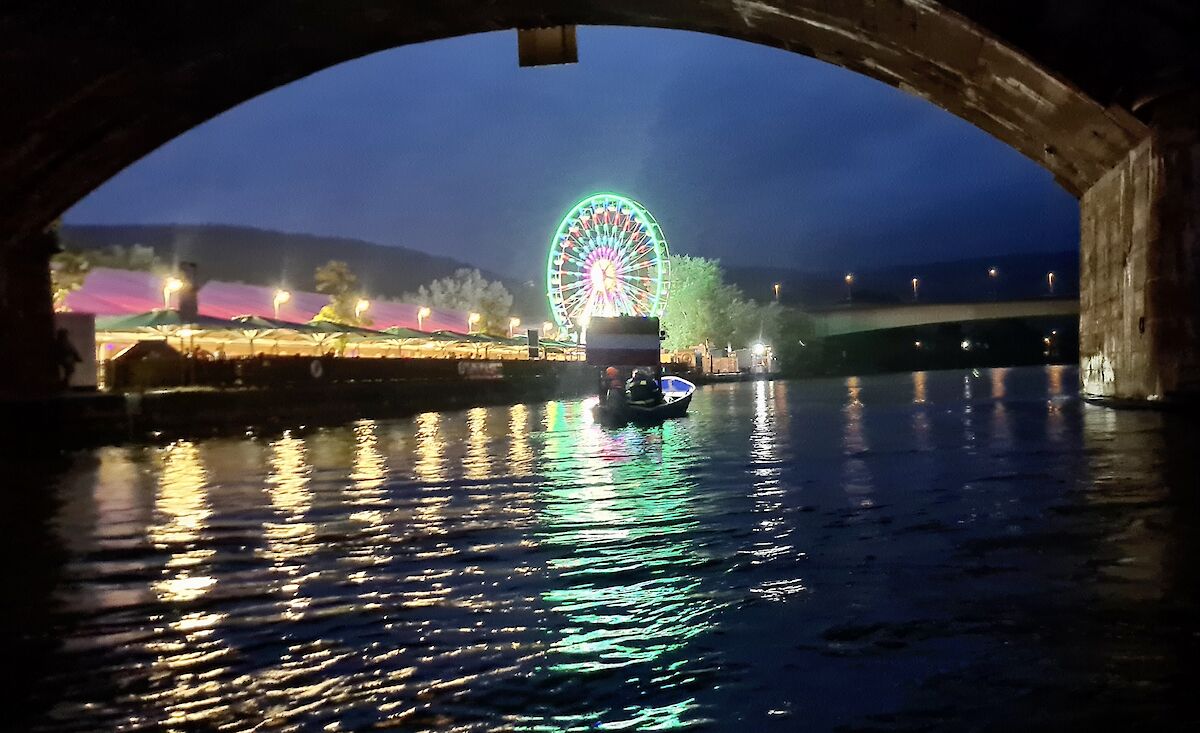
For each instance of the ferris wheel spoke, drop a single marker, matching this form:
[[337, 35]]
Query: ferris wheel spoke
[[572, 258], [643, 257], [574, 284], [634, 291], [637, 289], [580, 297]]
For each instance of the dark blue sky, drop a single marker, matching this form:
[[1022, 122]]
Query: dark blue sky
[[746, 153]]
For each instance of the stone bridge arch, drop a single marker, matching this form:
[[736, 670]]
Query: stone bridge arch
[[1100, 94]]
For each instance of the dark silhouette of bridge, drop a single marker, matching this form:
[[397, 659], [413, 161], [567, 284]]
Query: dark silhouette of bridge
[[1105, 95], [858, 319]]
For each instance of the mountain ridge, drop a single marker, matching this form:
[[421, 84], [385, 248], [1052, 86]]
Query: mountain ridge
[[274, 258]]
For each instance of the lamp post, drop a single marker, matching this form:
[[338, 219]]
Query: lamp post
[[170, 285], [472, 319], [849, 287], [361, 307], [993, 273], [281, 296], [916, 283], [513, 323], [422, 314], [1050, 282], [777, 285]]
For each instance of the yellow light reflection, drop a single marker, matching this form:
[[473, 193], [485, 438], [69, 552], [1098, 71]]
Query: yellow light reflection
[[999, 375], [181, 514], [1054, 379], [857, 480], [919, 379], [191, 647], [430, 446], [290, 538], [478, 464], [520, 455], [367, 496]]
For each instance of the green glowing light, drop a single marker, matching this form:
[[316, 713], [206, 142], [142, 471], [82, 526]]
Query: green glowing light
[[638, 241], [619, 514]]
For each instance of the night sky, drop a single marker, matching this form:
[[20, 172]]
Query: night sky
[[742, 152]]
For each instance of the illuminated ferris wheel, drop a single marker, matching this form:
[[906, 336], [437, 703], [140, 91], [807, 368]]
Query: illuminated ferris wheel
[[607, 258]]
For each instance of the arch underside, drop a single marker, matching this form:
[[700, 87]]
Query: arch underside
[[95, 88]]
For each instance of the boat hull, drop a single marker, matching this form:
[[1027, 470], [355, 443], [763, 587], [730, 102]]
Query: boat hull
[[624, 413]]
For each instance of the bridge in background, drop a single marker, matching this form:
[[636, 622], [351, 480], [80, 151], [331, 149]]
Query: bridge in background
[[879, 317]]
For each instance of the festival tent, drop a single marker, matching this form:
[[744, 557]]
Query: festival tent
[[108, 291]]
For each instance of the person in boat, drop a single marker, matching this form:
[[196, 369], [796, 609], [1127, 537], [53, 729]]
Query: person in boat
[[610, 383], [643, 389]]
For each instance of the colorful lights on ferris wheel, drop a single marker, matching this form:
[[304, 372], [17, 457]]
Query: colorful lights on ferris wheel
[[608, 257]]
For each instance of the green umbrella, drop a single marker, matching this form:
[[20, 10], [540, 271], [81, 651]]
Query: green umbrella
[[465, 338], [264, 325], [401, 332], [329, 327], [161, 319]]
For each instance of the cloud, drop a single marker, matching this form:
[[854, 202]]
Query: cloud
[[743, 152]]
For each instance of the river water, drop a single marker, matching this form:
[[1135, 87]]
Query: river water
[[944, 550]]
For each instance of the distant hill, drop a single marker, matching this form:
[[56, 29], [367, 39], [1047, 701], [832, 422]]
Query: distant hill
[[265, 257], [1018, 277]]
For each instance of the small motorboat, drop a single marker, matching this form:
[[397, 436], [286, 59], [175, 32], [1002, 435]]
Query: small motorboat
[[677, 396]]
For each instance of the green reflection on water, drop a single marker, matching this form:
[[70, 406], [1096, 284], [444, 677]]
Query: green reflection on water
[[618, 512]]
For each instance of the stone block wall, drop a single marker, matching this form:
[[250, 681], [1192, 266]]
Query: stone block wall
[[1140, 285]]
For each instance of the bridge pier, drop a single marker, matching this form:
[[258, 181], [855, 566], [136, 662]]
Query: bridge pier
[[1140, 271], [27, 317]]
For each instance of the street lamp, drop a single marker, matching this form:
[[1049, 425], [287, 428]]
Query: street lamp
[[512, 325], [170, 285], [777, 292], [1050, 281], [916, 283], [992, 274], [916, 344], [849, 286], [360, 307], [281, 297], [472, 319], [422, 314]]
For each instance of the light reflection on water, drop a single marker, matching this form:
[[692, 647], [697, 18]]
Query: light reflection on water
[[791, 554]]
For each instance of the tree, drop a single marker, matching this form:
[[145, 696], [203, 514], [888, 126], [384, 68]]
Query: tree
[[68, 271], [469, 291], [135, 257], [703, 308], [338, 281]]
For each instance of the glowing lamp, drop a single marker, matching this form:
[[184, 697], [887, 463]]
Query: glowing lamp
[[170, 285], [281, 297]]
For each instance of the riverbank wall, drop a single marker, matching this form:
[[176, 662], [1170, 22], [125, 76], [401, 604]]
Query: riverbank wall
[[96, 418]]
